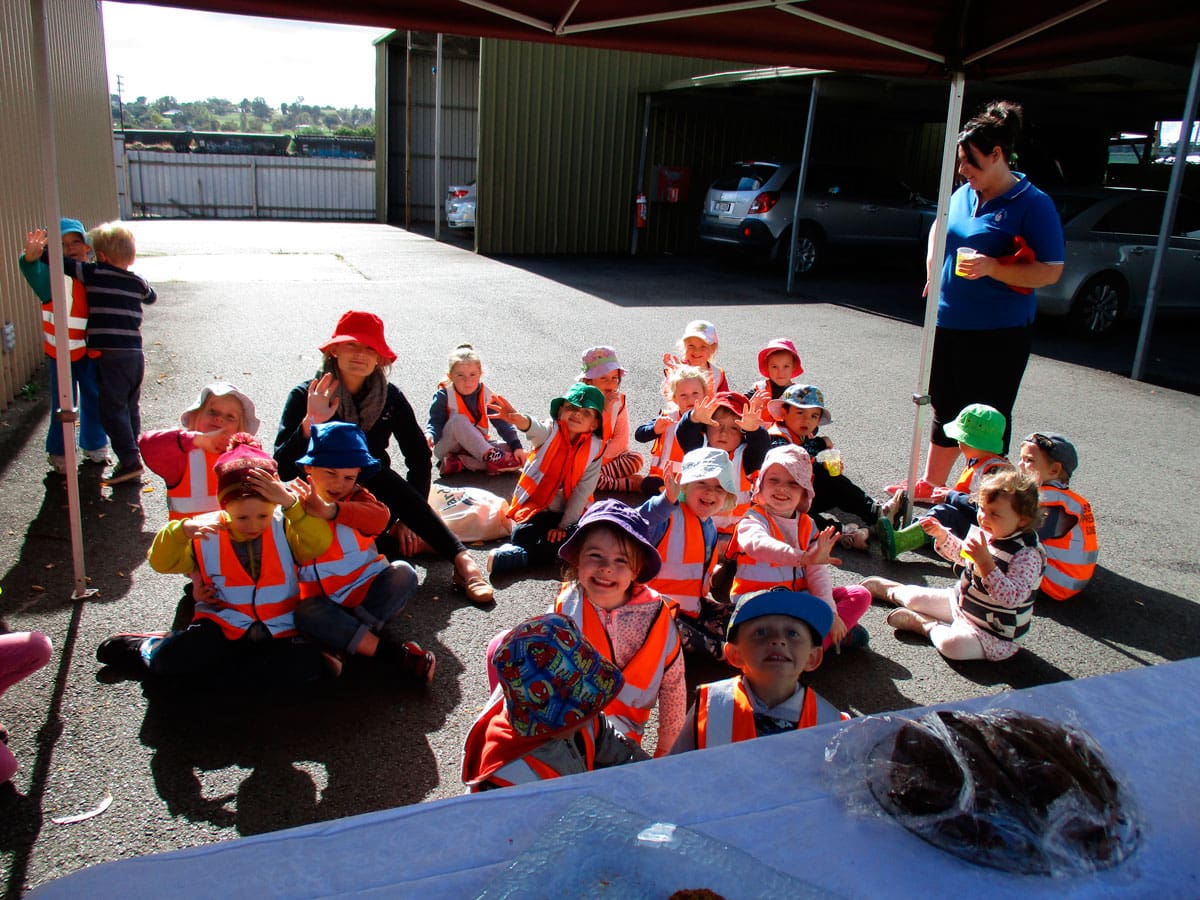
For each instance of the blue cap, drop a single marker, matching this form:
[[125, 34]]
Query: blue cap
[[339, 445], [780, 601], [72, 226]]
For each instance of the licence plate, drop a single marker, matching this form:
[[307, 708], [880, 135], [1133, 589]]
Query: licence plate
[[720, 206]]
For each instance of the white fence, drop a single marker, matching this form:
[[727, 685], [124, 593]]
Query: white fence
[[210, 186]]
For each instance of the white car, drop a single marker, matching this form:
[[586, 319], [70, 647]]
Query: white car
[[460, 205]]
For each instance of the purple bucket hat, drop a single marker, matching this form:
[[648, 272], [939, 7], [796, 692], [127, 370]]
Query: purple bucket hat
[[628, 520]]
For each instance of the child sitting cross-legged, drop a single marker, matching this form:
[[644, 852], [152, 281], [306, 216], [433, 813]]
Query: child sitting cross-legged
[[350, 592], [458, 427], [774, 638], [620, 466], [545, 719]]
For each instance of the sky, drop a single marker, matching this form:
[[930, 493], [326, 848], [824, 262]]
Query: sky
[[159, 51]]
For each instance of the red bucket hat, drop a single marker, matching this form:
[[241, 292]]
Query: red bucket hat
[[776, 346], [364, 328]]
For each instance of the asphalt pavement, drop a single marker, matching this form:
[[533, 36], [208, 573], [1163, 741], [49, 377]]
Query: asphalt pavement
[[250, 302]]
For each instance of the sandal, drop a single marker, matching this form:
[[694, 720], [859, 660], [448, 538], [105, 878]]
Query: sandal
[[477, 588], [853, 537]]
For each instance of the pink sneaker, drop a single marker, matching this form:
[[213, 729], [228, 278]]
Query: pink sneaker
[[922, 492], [505, 461], [450, 464]]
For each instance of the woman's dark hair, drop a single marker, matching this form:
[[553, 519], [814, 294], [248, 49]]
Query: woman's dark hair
[[997, 125]]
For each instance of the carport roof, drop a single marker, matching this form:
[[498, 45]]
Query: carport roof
[[924, 39]]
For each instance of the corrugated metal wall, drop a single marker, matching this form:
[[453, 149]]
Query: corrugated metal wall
[[86, 182], [559, 135], [460, 117]]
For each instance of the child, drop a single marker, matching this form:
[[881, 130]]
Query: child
[[778, 544], [779, 365], [774, 638], [350, 592], [243, 628], [681, 526], [544, 720], [457, 430], [92, 439], [988, 613], [1068, 530], [685, 386], [979, 430], [558, 478], [619, 466], [798, 414], [21, 654], [186, 457], [611, 560], [115, 300], [697, 347]]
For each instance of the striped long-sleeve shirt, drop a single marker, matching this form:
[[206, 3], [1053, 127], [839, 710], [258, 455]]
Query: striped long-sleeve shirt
[[115, 297]]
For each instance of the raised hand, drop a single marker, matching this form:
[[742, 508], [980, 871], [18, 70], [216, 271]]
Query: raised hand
[[322, 399]]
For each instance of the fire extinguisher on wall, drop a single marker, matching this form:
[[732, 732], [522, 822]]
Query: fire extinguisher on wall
[[640, 207]]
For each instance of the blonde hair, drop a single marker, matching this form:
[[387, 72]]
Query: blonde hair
[[114, 242], [679, 374], [463, 353]]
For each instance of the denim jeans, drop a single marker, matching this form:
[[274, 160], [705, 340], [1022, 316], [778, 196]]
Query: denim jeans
[[343, 628], [120, 377], [86, 391]]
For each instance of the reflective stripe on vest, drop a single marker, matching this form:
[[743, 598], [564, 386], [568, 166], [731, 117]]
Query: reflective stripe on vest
[[758, 575], [727, 522], [343, 573], [684, 573], [630, 709], [242, 601], [531, 474], [1006, 623], [725, 715], [196, 492], [460, 407], [666, 449], [77, 319], [968, 481], [1070, 559]]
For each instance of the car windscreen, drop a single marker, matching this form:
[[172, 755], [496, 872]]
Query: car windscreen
[[745, 177]]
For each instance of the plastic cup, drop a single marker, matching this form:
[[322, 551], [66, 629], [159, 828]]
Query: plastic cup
[[832, 461], [962, 254], [971, 532]]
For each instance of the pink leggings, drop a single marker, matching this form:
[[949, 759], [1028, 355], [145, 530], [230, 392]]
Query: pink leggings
[[21, 654], [851, 602]]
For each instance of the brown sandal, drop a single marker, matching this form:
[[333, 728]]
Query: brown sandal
[[477, 588]]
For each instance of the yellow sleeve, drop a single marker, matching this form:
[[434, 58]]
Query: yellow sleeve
[[171, 552], [308, 536]]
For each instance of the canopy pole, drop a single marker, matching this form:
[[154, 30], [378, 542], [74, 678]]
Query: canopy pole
[[938, 251], [438, 201], [802, 180], [65, 401], [1168, 222]]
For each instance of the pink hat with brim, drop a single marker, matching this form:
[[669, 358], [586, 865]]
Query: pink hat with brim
[[774, 347], [795, 461], [363, 328]]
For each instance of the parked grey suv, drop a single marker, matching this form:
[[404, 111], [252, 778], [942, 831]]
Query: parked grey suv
[[751, 206]]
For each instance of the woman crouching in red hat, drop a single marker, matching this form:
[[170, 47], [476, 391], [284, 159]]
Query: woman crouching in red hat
[[353, 386]]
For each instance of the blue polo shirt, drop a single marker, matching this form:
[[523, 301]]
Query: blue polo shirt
[[985, 303]]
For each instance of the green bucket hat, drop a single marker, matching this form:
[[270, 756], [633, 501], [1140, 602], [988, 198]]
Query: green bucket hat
[[584, 396], [980, 426]]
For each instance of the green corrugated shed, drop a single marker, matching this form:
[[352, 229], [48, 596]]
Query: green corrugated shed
[[559, 137]]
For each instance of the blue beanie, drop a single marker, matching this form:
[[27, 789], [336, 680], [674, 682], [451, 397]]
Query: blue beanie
[[73, 226]]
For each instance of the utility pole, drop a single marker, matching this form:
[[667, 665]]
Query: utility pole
[[121, 100]]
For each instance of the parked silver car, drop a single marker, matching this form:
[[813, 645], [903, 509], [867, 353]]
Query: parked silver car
[[1111, 235], [751, 205], [460, 205]]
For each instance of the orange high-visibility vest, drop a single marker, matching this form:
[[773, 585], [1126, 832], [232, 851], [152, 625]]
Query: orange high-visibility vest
[[1071, 558], [968, 481], [717, 376], [242, 601], [665, 450], [77, 318], [196, 492], [727, 522], [630, 709], [520, 508], [724, 713], [457, 406], [757, 575], [344, 572], [685, 560]]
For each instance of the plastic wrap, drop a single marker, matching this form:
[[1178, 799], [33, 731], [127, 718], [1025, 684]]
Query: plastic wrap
[[1000, 788]]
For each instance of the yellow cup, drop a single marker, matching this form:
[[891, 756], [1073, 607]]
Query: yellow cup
[[832, 460], [963, 253]]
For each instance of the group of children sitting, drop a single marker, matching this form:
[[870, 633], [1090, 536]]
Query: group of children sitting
[[727, 557]]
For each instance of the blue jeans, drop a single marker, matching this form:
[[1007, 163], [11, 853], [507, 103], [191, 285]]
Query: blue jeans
[[343, 628], [120, 377], [957, 512], [86, 390]]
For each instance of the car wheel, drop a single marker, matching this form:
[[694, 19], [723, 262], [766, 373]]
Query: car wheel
[[810, 250], [1098, 306]]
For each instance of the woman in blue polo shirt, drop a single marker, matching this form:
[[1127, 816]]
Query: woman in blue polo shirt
[[985, 315]]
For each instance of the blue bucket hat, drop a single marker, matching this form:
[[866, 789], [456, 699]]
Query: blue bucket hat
[[805, 396], [552, 677], [779, 601], [339, 445], [628, 520], [73, 226]]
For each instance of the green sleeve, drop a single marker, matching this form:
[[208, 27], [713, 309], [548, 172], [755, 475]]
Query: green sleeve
[[37, 273]]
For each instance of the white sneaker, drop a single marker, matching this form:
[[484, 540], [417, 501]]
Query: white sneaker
[[57, 463]]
